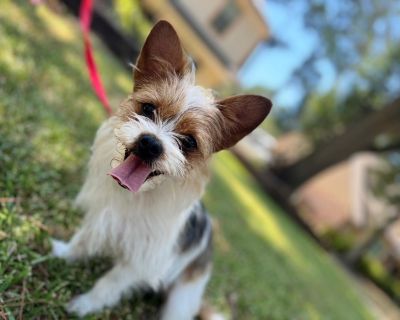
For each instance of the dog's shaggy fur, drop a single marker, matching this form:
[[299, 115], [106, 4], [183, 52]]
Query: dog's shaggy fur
[[159, 236]]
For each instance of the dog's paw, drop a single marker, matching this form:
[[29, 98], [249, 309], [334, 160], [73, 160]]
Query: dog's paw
[[82, 305], [59, 248]]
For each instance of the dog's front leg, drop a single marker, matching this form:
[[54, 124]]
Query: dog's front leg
[[75, 249], [107, 291]]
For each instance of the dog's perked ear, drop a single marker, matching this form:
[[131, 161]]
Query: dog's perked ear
[[161, 54], [240, 116]]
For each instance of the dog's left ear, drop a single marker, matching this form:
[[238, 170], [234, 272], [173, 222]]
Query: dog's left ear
[[241, 115], [162, 53]]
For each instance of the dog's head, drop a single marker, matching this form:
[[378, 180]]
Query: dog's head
[[169, 126]]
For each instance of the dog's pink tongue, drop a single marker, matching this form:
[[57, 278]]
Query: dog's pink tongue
[[131, 173]]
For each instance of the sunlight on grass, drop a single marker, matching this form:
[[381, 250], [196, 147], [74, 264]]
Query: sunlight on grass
[[313, 313], [262, 215], [10, 60], [256, 213], [46, 143], [263, 241], [58, 28], [124, 82]]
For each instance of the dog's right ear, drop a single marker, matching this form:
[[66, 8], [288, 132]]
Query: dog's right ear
[[161, 54]]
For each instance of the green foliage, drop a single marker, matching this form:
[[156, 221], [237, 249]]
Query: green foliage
[[341, 241], [359, 46], [373, 267], [132, 18], [48, 116], [387, 180], [320, 115]]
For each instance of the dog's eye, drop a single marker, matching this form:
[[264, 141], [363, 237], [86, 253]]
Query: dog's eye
[[189, 143], [148, 110]]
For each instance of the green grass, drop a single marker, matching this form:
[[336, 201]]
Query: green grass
[[265, 267]]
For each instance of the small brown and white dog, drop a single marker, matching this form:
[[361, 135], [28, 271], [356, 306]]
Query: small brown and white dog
[[157, 147]]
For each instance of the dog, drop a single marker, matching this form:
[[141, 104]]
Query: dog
[[147, 174]]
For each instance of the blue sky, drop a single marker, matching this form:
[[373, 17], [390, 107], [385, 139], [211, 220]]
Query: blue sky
[[272, 67]]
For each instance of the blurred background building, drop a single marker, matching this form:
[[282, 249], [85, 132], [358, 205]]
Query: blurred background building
[[220, 35]]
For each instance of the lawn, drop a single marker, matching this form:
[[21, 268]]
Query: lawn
[[265, 267]]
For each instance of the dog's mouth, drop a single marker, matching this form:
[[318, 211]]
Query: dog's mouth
[[151, 175], [133, 172]]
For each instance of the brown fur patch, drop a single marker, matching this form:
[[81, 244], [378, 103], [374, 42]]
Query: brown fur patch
[[204, 125], [167, 95], [127, 109], [162, 54], [242, 114]]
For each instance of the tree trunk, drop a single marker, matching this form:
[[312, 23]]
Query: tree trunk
[[358, 137]]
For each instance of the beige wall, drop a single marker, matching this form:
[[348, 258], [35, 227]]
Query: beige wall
[[202, 10], [239, 40], [242, 35]]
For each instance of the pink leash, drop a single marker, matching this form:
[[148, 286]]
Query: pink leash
[[85, 16]]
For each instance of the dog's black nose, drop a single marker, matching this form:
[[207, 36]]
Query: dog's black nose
[[148, 147]]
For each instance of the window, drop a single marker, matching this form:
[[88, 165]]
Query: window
[[226, 16]]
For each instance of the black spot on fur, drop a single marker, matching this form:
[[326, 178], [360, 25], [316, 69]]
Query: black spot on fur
[[203, 259], [153, 297], [153, 302], [194, 228]]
